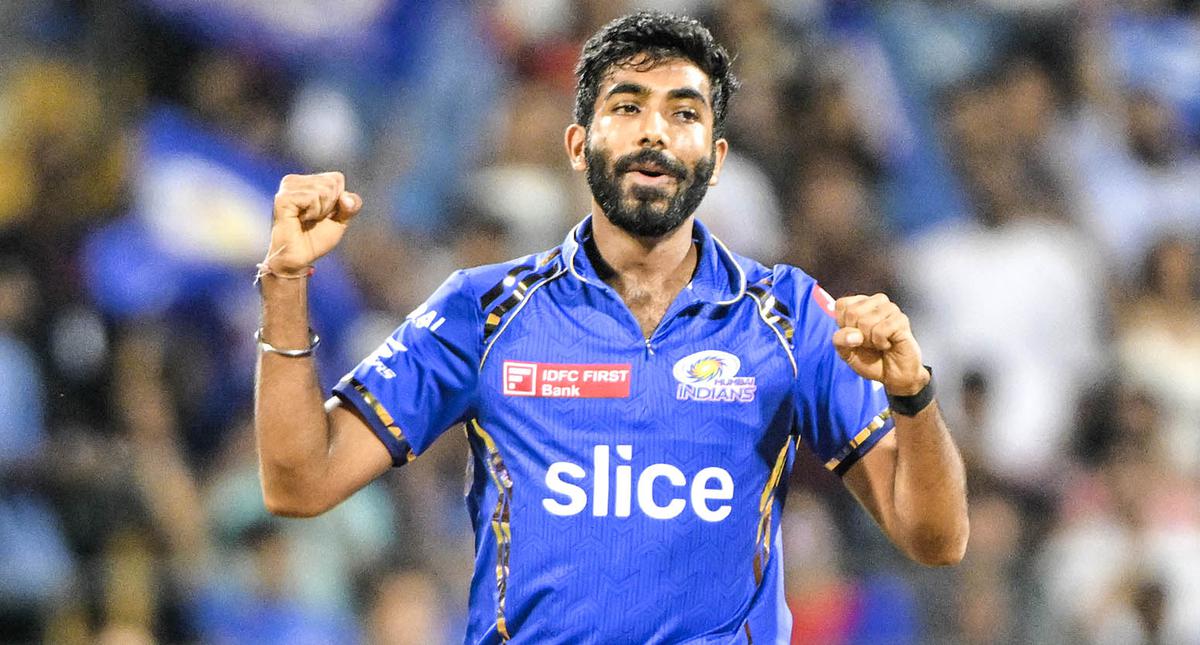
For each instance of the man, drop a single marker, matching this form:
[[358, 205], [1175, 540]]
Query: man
[[633, 398]]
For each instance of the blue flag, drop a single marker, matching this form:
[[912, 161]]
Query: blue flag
[[200, 223]]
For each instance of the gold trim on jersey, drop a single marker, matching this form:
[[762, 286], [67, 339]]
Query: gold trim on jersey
[[860, 438], [496, 322], [766, 509], [385, 417], [771, 315], [773, 310], [500, 522]]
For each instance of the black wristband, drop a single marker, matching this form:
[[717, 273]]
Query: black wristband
[[911, 406]]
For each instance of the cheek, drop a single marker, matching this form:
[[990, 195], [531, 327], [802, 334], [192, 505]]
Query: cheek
[[606, 128], [696, 141]]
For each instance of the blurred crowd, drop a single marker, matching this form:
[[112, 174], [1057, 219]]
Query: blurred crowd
[[1023, 176]]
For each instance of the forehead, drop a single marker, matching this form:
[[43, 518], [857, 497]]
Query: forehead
[[664, 76]]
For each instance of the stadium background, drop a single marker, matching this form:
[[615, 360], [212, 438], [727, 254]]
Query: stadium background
[[1022, 175]]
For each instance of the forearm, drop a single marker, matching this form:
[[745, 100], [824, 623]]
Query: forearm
[[930, 498], [291, 425]]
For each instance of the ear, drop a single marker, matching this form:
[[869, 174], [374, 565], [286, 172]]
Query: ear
[[720, 149], [576, 142]]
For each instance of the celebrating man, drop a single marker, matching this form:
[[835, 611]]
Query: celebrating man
[[633, 397]]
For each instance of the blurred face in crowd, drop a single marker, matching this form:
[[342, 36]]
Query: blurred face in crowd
[[649, 152], [1150, 129]]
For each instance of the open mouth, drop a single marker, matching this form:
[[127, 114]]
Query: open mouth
[[651, 171]]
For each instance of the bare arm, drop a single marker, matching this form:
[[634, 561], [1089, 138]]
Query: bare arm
[[912, 482], [311, 455]]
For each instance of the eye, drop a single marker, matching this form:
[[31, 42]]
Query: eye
[[688, 115], [625, 108]]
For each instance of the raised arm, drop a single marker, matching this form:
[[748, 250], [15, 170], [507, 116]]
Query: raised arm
[[913, 481], [311, 455]]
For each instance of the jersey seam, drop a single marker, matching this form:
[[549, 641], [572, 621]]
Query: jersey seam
[[528, 296], [778, 334]]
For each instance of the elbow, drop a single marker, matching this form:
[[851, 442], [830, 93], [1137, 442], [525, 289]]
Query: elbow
[[942, 557], [288, 508], [281, 503], [944, 548]]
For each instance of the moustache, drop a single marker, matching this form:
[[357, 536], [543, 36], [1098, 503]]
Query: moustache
[[650, 156]]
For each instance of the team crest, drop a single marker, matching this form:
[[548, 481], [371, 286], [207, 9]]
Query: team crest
[[711, 375]]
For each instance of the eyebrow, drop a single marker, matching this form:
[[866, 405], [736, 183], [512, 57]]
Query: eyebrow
[[687, 93], [628, 88], [641, 90]]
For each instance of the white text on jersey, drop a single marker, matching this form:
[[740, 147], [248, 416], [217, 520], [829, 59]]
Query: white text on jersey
[[701, 491]]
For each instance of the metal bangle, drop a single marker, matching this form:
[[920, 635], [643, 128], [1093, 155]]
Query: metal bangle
[[313, 341]]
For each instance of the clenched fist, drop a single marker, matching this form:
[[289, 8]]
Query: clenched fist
[[876, 341], [310, 215]]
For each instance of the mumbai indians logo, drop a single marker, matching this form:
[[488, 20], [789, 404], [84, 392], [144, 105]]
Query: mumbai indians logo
[[711, 375]]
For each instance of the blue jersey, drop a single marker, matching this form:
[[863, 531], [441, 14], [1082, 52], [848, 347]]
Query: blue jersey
[[623, 489]]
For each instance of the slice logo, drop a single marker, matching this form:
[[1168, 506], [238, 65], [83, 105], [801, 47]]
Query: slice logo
[[566, 380], [711, 375]]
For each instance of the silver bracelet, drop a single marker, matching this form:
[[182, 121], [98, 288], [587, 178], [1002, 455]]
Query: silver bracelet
[[313, 341]]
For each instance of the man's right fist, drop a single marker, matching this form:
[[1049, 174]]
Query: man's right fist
[[311, 213]]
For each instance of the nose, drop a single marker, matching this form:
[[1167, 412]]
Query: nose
[[654, 130]]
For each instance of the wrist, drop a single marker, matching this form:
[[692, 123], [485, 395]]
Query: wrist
[[271, 266], [910, 401], [910, 387], [287, 273]]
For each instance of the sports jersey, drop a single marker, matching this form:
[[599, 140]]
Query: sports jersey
[[623, 488]]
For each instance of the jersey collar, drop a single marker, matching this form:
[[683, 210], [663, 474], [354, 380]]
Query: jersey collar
[[719, 278]]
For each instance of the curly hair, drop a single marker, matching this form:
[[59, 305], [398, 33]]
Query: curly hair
[[646, 39]]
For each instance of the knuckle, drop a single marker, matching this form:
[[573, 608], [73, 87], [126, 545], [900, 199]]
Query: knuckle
[[293, 181], [288, 196]]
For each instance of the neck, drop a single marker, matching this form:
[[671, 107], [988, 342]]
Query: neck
[[643, 260]]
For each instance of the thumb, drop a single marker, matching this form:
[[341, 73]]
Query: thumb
[[846, 341], [348, 205], [847, 338]]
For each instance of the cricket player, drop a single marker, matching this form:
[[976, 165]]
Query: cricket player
[[634, 398]]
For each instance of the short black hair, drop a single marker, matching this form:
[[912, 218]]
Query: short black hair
[[649, 38]]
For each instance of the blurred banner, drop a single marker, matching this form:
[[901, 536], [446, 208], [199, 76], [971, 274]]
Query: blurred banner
[[378, 36], [1157, 54], [200, 222]]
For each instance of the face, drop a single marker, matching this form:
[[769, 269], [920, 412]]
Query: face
[[649, 154]]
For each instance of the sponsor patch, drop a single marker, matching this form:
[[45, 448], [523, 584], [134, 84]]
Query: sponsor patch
[[566, 380], [711, 375]]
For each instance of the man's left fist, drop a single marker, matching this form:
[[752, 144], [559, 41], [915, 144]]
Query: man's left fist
[[875, 339]]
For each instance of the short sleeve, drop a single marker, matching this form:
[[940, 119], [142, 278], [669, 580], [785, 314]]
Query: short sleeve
[[422, 379], [841, 415]]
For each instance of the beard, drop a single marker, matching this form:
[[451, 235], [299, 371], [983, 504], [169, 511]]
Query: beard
[[646, 211]]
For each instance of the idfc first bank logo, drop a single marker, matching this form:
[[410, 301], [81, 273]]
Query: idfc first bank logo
[[711, 375], [566, 380]]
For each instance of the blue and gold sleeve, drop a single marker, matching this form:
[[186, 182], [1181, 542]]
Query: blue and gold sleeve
[[422, 379], [840, 415]]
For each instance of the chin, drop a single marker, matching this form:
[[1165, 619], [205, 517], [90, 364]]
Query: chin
[[647, 224]]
